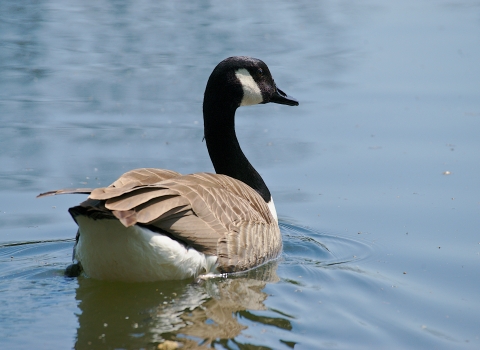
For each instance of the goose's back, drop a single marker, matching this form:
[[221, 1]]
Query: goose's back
[[215, 214]]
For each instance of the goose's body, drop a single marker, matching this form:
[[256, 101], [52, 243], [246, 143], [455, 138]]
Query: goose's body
[[155, 224]]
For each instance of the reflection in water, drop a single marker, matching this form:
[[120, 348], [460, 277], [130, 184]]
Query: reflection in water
[[224, 312], [120, 315], [217, 311], [89, 90]]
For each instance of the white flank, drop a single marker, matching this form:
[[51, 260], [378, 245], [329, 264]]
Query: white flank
[[251, 92], [271, 206], [108, 250]]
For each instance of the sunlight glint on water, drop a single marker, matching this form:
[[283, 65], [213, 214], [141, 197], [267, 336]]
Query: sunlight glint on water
[[374, 175]]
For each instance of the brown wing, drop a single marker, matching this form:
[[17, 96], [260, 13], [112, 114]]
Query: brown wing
[[143, 176], [66, 191], [130, 179], [213, 213]]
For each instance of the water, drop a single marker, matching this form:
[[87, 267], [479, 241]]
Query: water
[[374, 175]]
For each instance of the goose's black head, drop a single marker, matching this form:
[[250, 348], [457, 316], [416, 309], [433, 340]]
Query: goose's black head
[[237, 81], [243, 81]]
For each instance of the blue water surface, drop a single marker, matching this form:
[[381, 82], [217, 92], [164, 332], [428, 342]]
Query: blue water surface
[[374, 175]]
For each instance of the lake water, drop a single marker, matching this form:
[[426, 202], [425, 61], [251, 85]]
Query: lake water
[[375, 175]]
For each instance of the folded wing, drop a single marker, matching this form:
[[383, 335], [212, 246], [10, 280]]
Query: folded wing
[[213, 213]]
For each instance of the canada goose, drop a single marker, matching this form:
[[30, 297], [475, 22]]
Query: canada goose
[[156, 224]]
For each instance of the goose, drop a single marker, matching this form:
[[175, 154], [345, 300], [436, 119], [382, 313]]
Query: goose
[[156, 224]]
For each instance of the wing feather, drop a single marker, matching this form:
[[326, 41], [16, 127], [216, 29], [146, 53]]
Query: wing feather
[[213, 213], [156, 208], [137, 197], [66, 191], [143, 176]]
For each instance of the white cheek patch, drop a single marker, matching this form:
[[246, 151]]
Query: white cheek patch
[[251, 92]]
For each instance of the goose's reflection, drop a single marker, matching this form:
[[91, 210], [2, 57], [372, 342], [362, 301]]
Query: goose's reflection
[[121, 315]]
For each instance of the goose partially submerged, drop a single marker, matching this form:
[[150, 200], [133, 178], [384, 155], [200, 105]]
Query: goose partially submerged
[[156, 224]]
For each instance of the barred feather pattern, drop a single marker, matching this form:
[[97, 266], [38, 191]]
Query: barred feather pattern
[[213, 213]]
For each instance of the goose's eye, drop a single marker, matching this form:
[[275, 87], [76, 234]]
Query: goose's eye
[[260, 72]]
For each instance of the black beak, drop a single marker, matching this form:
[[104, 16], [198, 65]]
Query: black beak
[[282, 98]]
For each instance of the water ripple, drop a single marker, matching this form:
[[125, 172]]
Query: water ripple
[[34, 259], [304, 246]]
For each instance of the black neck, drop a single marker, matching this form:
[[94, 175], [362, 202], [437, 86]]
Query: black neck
[[223, 147]]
